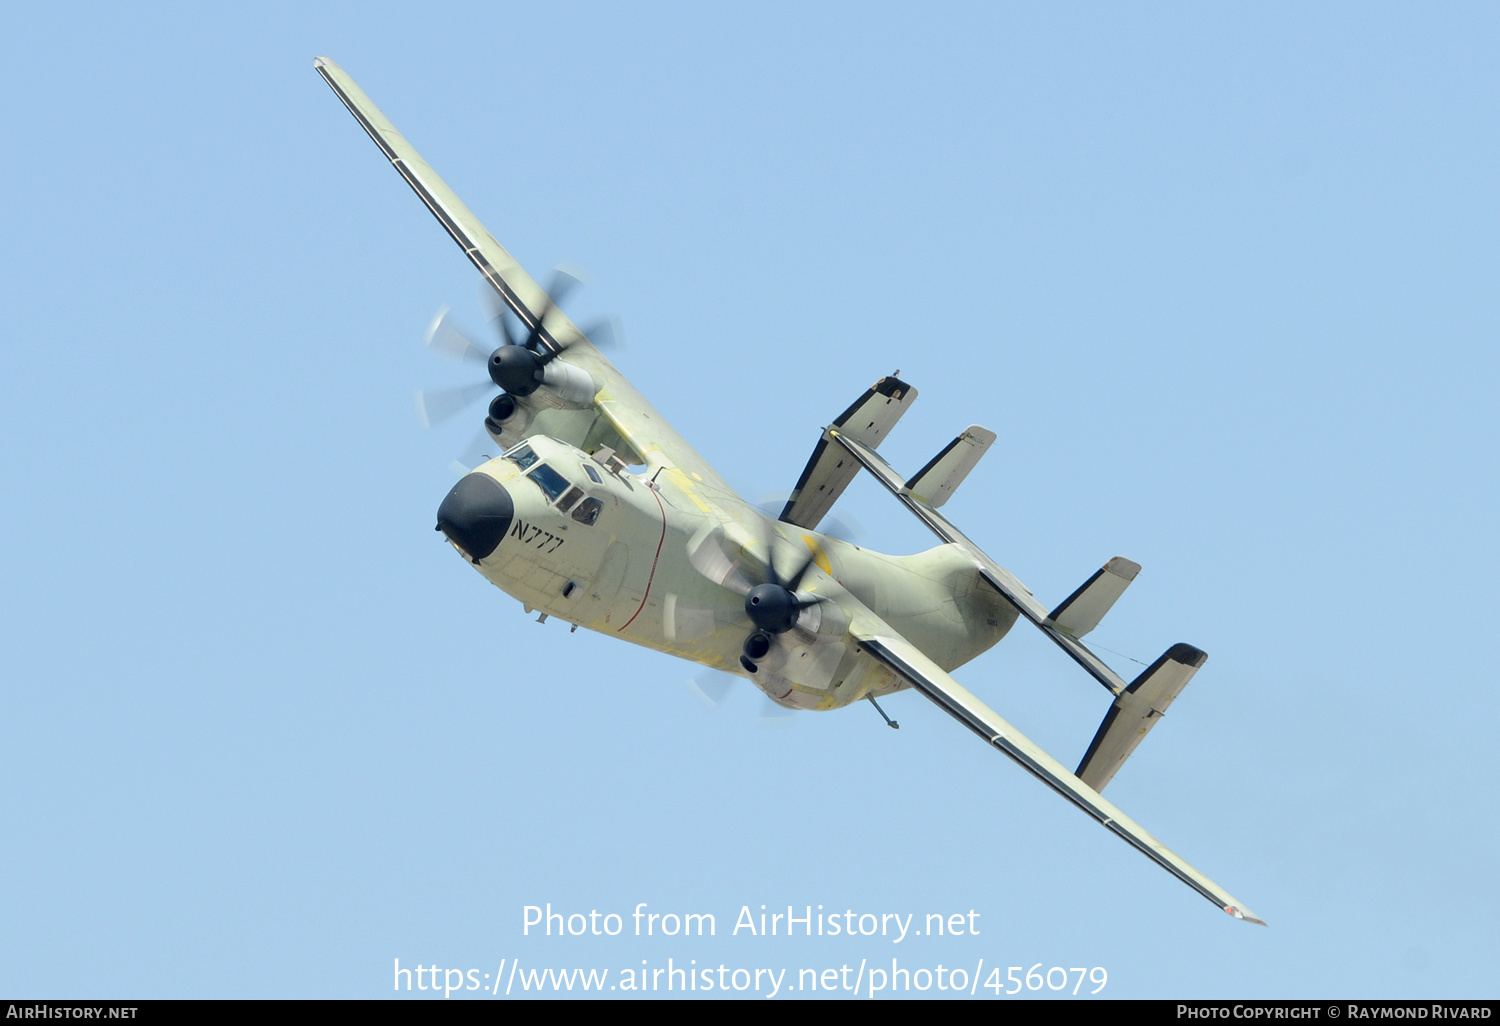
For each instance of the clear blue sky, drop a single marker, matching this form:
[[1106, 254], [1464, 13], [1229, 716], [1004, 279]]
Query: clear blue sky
[[1223, 279]]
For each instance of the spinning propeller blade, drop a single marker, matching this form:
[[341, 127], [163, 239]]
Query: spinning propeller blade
[[564, 280], [708, 557], [773, 715], [711, 687], [446, 339], [844, 528], [604, 333], [479, 448], [437, 405]]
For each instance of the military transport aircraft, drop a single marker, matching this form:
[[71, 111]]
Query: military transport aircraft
[[598, 513]]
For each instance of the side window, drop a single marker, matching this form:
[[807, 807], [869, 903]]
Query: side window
[[521, 456], [549, 481], [573, 495], [593, 474], [587, 511]]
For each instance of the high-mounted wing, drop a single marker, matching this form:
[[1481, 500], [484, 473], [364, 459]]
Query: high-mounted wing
[[617, 401], [924, 675], [499, 268]]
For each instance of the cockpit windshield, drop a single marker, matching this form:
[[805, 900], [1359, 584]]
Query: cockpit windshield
[[549, 481], [561, 492], [522, 456]]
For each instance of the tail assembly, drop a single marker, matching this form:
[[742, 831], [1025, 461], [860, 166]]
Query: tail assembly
[[831, 469], [1081, 611], [934, 483], [1135, 711], [1137, 705]]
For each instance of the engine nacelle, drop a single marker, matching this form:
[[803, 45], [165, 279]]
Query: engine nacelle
[[502, 408], [824, 619], [508, 420], [565, 386], [807, 656], [562, 387]]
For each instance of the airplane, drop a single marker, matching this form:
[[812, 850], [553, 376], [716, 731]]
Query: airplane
[[598, 513]]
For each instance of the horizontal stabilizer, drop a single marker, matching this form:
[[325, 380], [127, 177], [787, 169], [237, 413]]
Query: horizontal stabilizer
[[1135, 711], [830, 469], [943, 474], [1081, 611], [1003, 581]]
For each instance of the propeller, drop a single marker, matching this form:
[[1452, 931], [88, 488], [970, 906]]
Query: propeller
[[841, 526], [771, 601], [448, 340], [712, 687], [516, 365], [774, 715], [775, 605]]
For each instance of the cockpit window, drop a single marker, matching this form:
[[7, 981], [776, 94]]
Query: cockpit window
[[549, 481], [573, 495], [521, 456], [593, 474], [587, 511]]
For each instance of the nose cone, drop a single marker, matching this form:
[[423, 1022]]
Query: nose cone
[[476, 514]]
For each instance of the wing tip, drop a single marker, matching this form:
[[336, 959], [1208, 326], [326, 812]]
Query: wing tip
[[1245, 914], [1188, 655]]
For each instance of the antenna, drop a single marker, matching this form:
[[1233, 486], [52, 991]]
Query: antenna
[[888, 721]]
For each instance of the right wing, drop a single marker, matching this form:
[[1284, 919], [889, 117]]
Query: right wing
[[617, 401], [904, 658]]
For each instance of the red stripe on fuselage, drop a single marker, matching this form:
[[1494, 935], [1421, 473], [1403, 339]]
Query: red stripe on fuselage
[[654, 560]]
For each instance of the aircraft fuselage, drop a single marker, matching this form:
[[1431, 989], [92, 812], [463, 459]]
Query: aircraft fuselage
[[589, 542]]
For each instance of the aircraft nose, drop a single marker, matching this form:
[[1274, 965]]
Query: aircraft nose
[[476, 514]]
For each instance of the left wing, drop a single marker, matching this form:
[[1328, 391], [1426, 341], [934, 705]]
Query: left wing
[[901, 656], [617, 401]]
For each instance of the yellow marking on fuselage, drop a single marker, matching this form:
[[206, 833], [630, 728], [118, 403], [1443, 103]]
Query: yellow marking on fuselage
[[687, 489], [819, 556]]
